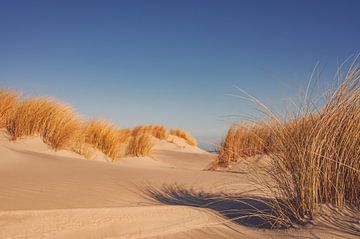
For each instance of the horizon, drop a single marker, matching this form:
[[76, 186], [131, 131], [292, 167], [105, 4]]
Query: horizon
[[172, 63]]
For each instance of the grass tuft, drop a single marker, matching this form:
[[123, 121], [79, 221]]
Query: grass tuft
[[245, 140], [315, 153], [182, 134], [156, 131], [8, 103], [104, 137], [317, 157], [140, 145], [55, 122]]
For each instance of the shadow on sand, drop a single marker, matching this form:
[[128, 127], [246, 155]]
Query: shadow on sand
[[249, 211]]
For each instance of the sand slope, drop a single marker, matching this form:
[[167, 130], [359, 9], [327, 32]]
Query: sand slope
[[46, 194]]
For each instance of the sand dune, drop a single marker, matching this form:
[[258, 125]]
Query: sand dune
[[47, 194]]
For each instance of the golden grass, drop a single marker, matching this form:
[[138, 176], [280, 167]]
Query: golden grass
[[8, 103], [125, 135], [60, 127], [104, 137], [244, 140], [117, 143], [156, 131], [315, 154], [317, 158], [56, 123], [140, 145], [182, 134]]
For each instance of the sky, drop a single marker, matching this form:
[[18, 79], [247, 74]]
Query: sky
[[175, 63]]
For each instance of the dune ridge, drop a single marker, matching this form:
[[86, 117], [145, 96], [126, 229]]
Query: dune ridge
[[60, 126]]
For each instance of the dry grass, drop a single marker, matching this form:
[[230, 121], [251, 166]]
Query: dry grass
[[318, 153], [55, 122], [315, 154], [8, 103], [104, 137], [182, 134], [140, 145], [125, 135], [156, 131], [244, 140], [58, 125], [117, 143]]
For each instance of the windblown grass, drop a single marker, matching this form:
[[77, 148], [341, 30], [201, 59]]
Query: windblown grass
[[317, 157], [140, 145], [8, 103], [125, 135], [157, 131], [60, 127], [104, 137], [56, 123], [182, 134], [244, 140], [315, 154]]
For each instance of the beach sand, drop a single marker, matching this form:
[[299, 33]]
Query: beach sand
[[47, 194]]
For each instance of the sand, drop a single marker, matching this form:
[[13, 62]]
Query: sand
[[47, 194]]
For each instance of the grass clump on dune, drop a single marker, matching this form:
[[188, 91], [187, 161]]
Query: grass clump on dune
[[60, 127], [315, 154], [140, 145], [156, 131], [317, 158], [184, 135], [104, 137], [243, 141], [8, 103], [56, 123]]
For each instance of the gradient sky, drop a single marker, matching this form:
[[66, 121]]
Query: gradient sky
[[172, 62]]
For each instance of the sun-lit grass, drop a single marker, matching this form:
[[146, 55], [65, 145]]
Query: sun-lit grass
[[246, 140], [125, 134], [140, 145], [156, 131], [104, 137], [8, 103], [182, 134], [317, 158], [315, 153], [60, 127], [56, 123]]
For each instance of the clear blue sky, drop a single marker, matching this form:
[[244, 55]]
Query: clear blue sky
[[171, 62]]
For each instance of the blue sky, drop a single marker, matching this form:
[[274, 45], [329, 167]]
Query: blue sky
[[172, 62]]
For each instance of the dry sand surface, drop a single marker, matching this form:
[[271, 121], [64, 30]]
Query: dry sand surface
[[46, 194]]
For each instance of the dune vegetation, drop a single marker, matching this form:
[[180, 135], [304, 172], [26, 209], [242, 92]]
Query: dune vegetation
[[245, 140], [315, 153], [140, 145], [104, 137], [184, 135], [62, 128], [157, 131], [8, 102], [55, 122]]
